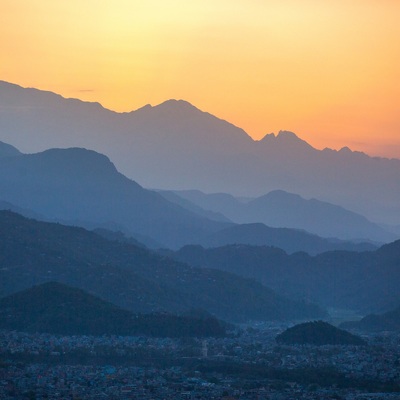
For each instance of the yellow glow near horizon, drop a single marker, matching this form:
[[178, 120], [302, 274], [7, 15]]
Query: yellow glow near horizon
[[327, 70]]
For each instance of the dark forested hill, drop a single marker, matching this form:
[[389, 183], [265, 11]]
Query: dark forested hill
[[56, 308], [132, 277], [318, 333]]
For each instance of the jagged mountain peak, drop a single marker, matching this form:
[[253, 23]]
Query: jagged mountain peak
[[348, 152], [285, 138]]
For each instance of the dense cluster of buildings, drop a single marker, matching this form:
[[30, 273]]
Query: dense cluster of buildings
[[42, 366]]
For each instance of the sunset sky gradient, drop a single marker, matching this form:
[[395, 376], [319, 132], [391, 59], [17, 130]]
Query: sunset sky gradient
[[327, 70]]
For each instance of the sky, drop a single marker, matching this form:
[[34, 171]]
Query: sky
[[326, 70]]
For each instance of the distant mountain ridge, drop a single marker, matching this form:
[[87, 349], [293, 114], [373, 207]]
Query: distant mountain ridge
[[175, 145], [176, 198], [290, 240], [81, 187], [281, 209], [389, 321]]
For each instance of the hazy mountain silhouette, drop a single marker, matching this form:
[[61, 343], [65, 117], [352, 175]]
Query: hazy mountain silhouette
[[188, 205], [361, 281], [290, 240], [223, 203], [281, 209], [394, 229], [129, 276], [389, 321], [81, 187], [175, 145], [84, 188], [5, 205]]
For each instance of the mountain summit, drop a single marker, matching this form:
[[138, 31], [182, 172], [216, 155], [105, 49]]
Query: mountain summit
[[286, 141], [282, 136]]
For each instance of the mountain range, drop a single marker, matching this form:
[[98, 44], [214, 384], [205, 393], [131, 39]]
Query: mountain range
[[272, 220], [281, 209], [364, 282], [176, 146], [131, 277], [81, 187], [290, 240]]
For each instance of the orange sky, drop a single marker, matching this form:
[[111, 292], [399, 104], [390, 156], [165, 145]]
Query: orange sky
[[327, 70]]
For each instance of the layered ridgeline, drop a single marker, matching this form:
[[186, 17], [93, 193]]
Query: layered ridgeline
[[290, 240], [175, 145], [281, 209], [361, 281], [81, 187], [60, 309], [129, 276]]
